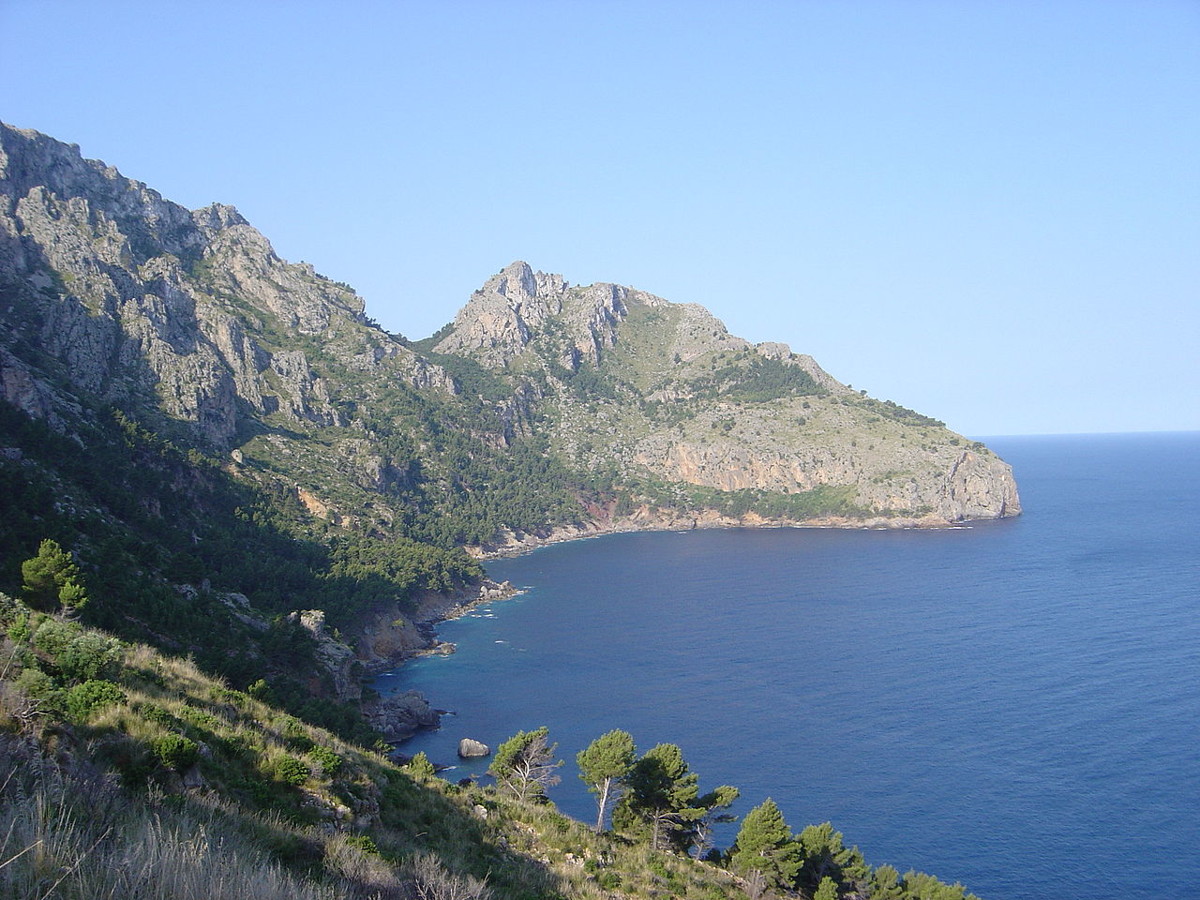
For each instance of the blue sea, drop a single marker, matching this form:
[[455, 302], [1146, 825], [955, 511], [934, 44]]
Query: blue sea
[[1014, 705]]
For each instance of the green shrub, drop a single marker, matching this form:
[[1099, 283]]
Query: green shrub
[[610, 881], [420, 765], [84, 698], [37, 685], [51, 637], [175, 751], [88, 656], [80, 655], [292, 771], [363, 842], [10, 610], [152, 712], [20, 629], [198, 718], [260, 690], [329, 761]]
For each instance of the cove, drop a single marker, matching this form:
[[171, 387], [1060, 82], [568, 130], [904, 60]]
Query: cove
[[1014, 705]]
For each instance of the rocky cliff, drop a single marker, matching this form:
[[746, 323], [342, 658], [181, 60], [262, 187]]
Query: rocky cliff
[[138, 301]]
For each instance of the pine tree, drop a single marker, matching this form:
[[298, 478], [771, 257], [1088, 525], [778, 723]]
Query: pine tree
[[886, 884], [827, 890], [420, 765], [699, 832], [51, 579], [765, 844], [824, 855], [663, 798], [524, 764], [661, 792], [603, 767]]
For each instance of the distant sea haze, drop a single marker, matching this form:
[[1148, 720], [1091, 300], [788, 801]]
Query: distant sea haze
[[1014, 705]]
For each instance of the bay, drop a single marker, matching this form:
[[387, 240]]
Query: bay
[[1014, 705]]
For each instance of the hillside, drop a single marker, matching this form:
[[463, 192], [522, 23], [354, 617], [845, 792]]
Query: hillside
[[127, 773], [659, 398]]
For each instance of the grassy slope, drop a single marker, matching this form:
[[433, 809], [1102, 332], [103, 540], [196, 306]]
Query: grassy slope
[[124, 772], [185, 788]]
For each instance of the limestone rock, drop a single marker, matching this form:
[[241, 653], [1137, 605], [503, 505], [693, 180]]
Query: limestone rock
[[335, 656], [469, 748], [674, 397], [136, 297]]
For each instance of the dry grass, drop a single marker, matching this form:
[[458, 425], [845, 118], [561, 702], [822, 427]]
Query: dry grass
[[74, 837]]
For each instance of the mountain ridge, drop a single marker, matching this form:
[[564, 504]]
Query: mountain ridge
[[534, 323]]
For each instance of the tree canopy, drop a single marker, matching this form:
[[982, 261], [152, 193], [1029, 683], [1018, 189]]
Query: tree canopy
[[603, 766], [524, 764], [766, 845], [52, 579], [663, 799]]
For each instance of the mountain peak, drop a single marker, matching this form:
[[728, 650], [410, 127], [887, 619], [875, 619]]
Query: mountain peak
[[217, 217], [504, 315], [515, 281]]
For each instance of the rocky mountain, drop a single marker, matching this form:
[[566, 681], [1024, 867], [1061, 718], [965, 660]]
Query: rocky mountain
[[655, 390], [212, 389]]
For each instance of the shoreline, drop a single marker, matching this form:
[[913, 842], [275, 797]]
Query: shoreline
[[418, 631], [519, 543]]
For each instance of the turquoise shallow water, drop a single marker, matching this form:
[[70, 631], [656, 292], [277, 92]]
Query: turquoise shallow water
[[1014, 705]]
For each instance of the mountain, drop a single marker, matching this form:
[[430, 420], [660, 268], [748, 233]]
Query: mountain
[[215, 422], [644, 390]]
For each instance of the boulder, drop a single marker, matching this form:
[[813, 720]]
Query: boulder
[[469, 749]]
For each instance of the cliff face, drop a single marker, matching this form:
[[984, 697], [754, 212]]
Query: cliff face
[[119, 293], [662, 391]]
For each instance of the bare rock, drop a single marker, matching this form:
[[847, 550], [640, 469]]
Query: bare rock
[[468, 748], [334, 655], [400, 716]]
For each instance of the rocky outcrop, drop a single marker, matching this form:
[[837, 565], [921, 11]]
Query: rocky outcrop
[[386, 635], [334, 656], [399, 716], [133, 298], [979, 486], [501, 317], [515, 306]]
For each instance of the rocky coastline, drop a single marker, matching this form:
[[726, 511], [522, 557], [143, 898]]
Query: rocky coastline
[[385, 638], [518, 543], [384, 644]]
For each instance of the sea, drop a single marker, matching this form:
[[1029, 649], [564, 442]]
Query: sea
[[1013, 705]]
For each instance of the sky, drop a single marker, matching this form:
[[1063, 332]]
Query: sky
[[985, 211]]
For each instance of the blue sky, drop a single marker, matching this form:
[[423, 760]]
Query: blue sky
[[986, 211]]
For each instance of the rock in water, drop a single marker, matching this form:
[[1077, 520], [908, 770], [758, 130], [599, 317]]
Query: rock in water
[[470, 749]]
